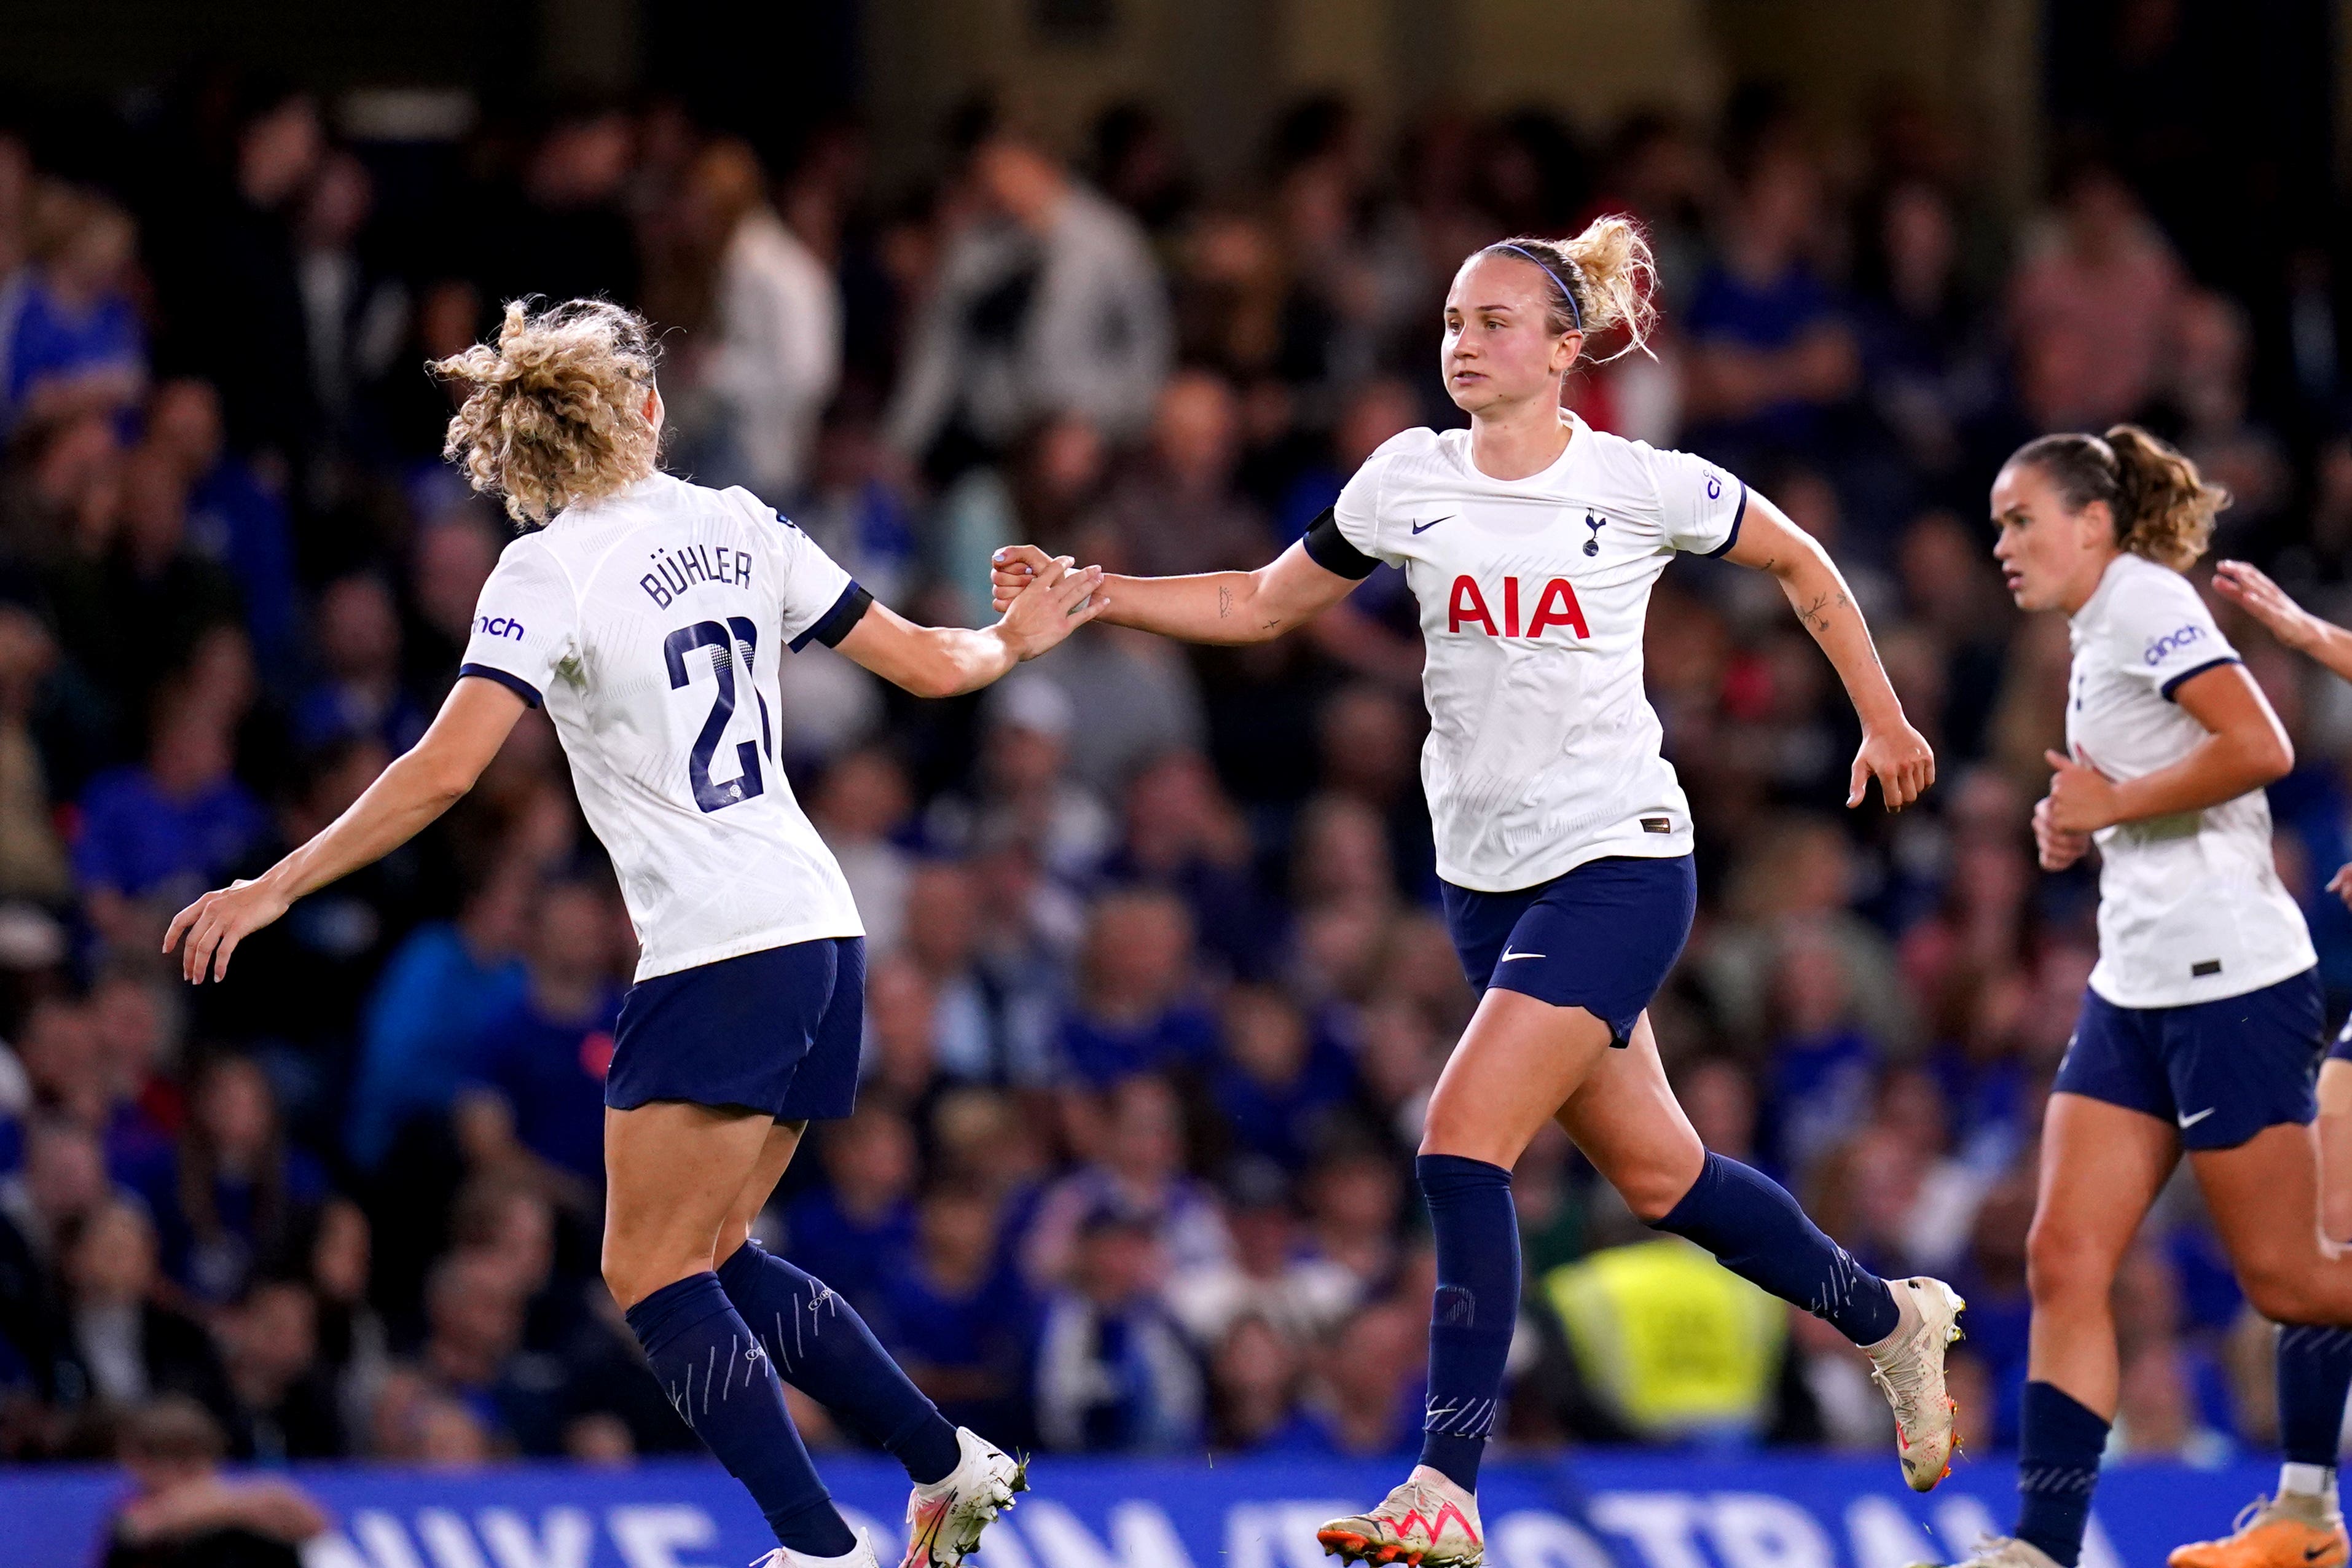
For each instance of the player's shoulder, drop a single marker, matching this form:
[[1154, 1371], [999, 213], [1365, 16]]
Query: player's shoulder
[[1421, 442], [1645, 474], [2137, 587]]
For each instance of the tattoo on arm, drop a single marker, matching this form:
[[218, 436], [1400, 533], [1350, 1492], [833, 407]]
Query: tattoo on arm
[[1817, 614], [1224, 601]]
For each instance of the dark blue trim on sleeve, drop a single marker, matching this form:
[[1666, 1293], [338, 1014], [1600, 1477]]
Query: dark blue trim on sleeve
[[837, 623], [514, 683], [1733, 537], [1328, 548], [2169, 687]]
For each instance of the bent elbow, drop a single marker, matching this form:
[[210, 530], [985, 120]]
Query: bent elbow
[[931, 681], [2278, 760]]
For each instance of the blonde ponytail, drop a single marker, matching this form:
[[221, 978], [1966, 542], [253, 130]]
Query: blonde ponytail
[[1605, 278], [556, 415]]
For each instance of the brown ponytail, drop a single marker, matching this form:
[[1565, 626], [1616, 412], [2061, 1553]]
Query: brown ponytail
[[2164, 509]]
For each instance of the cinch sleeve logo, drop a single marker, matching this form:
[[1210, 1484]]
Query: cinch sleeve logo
[[2170, 643], [498, 626]]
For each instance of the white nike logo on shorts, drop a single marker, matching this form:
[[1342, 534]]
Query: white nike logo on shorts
[[1508, 955], [2189, 1122]]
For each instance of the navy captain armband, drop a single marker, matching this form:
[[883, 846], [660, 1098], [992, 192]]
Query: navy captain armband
[[838, 621], [1329, 549]]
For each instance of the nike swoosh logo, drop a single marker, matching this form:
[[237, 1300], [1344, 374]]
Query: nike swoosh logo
[[2189, 1122], [1508, 955], [1432, 522]]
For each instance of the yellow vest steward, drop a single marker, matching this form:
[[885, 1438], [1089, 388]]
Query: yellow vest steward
[[1670, 1339]]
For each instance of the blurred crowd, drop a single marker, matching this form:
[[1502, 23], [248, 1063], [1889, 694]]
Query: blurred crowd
[[1158, 987]]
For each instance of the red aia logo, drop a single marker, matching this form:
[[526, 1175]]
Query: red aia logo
[[1555, 607]]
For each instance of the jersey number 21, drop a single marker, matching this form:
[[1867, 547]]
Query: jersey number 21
[[708, 795]]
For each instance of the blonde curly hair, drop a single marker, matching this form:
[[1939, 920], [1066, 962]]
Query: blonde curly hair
[[556, 415], [1605, 279], [2164, 509]]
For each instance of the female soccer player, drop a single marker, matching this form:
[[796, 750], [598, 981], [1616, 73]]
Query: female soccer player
[[2303, 1524], [1531, 542], [2201, 1023], [648, 614]]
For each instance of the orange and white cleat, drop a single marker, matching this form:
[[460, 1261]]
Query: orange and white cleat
[[2293, 1529], [944, 1519], [1428, 1522], [1908, 1367]]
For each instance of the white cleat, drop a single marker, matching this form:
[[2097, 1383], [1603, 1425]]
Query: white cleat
[[859, 1556], [1428, 1521], [2003, 1551], [1908, 1367], [944, 1519]]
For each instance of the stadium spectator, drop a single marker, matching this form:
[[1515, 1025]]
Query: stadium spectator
[[72, 343], [855, 1229], [436, 992], [1132, 1012], [243, 1195], [544, 1058], [1048, 301], [1114, 1374], [183, 1512], [955, 1314], [124, 1345]]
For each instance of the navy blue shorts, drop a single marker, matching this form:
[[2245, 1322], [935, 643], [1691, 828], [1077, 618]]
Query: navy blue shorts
[[2219, 1071], [775, 1030], [1601, 937], [2341, 1051]]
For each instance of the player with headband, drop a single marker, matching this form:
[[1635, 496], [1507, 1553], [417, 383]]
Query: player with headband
[[1531, 542]]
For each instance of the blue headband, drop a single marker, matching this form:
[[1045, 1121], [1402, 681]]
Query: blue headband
[[1564, 289]]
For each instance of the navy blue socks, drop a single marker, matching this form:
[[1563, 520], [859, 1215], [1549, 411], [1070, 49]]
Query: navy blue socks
[[1756, 1230], [1475, 1308], [2057, 1466], [717, 1378], [2315, 1373], [823, 1348]]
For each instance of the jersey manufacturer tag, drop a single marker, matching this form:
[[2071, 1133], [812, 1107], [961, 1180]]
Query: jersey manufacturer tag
[[2205, 967], [1657, 825]]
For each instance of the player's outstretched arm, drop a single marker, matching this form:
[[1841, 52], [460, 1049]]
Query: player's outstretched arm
[[1209, 607], [944, 661], [1892, 751], [420, 785], [2244, 747], [2298, 627]]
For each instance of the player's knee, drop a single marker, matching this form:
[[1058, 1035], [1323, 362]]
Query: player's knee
[[634, 1271], [2063, 1268], [2280, 1289]]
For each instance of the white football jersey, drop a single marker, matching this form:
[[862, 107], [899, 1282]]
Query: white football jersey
[[1543, 751], [651, 624], [2190, 906]]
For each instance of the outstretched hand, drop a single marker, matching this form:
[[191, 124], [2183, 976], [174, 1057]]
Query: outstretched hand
[[2245, 584], [1054, 601], [1901, 761], [216, 922]]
